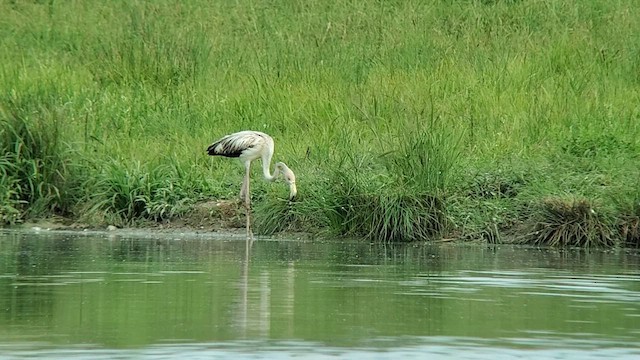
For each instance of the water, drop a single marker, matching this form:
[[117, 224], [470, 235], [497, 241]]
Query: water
[[79, 296]]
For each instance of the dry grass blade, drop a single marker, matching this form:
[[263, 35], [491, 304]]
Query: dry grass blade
[[569, 223]]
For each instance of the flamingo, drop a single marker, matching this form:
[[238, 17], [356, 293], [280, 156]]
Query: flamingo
[[248, 146]]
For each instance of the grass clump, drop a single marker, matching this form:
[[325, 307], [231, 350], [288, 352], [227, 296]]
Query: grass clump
[[275, 215], [391, 217], [122, 193], [628, 223], [487, 201], [33, 166], [406, 201], [10, 203], [571, 222]]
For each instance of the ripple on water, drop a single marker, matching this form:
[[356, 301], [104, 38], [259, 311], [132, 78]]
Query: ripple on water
[[378, 348], [585, 289]]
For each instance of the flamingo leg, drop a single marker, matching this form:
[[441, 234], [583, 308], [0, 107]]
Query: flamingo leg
[[247, 200], [243, 189]]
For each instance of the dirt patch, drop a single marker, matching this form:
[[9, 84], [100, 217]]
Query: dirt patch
[[211, 216]]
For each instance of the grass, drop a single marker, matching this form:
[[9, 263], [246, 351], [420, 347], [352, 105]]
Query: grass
[[124, 192], [628, 219], [569, 223], [402, 120], [35, 171]]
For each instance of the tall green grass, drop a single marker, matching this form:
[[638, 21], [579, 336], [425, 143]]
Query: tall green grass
[[35, 170], [402, 120], [122, 192]]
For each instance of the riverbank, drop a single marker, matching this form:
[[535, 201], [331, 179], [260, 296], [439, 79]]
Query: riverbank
[[225, 219], [216, 219]]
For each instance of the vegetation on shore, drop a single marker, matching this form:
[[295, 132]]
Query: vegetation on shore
[[475, 119]]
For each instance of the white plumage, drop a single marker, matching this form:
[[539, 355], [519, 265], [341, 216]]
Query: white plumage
[[248, 146]]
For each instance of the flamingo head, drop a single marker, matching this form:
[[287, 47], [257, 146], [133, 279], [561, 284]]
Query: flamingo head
[[290, 178]]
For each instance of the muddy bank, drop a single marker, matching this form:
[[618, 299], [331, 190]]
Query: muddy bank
[[220, 219]]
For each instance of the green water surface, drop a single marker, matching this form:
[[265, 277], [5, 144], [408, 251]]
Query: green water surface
[[93, 295]]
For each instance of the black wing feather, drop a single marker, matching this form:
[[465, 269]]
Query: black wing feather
[[222, 148], [234, 145]]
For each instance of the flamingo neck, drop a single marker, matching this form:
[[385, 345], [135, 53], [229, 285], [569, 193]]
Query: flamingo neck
[[266, 163]]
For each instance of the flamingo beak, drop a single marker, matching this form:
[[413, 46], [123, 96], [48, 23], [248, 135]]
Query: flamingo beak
[[293, 190]]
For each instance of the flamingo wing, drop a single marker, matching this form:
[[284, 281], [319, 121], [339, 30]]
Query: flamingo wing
[[237, 144]]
